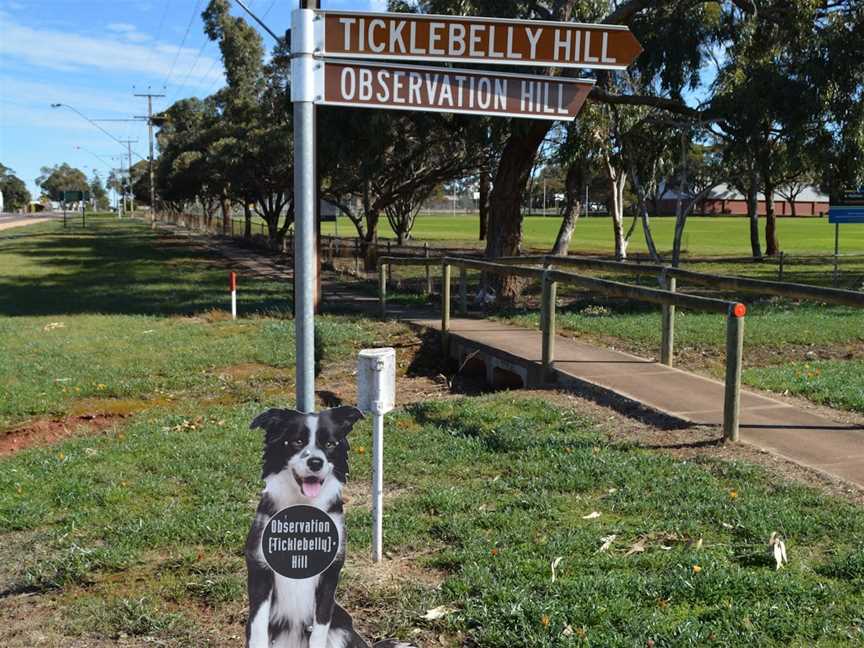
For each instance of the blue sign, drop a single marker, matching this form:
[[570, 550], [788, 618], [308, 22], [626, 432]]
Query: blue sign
[[849, 208], [846, 214]]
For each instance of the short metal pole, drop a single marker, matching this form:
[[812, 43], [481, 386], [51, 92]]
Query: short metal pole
[[428, 270], [734, 352], [463, 290], [836, 254], [547, 320], [780, 268], [382, 289], [667, 340], [377, 485], [445, 304]]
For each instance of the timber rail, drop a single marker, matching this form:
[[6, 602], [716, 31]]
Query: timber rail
[[550, 278]]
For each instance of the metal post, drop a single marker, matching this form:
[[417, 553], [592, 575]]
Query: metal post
[[428, 270], [836, 254], [64, 212], [377, 484], [463, 290], [667, 340], [780, 268], [232, 284], [303, 96], [445, 304], [83, 214], [382, 289], [734, 351], [547, 323]]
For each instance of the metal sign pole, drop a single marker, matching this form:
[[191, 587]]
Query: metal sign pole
[[303, 96], [836, 253]]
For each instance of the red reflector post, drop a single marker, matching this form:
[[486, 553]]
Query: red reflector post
[[739, 310], [232, 281]]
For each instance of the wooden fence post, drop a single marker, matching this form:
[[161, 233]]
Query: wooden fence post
[[382, 289], [667, 339], [734, 352], [463, 290], [445, 304], [428, 270], [547, 323]]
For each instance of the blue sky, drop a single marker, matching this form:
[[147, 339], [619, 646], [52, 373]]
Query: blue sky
[[94, 55]]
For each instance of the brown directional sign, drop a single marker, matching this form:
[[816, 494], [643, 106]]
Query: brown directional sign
[[411, 87], [477, 40]]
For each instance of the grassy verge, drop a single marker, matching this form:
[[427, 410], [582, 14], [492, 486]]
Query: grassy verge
[[488, 492], [828, 382]]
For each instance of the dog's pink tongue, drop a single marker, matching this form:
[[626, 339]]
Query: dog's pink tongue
[[311, 487]]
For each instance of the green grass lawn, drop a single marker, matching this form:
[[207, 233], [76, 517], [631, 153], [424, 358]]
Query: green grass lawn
[[703, 235], [136, 533], [490, 492]]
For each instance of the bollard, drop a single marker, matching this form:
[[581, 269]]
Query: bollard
[[734, 351], [232, 283], [382, 289], [547, 324], [376, 394], [445, 304], [463, 290], [428, 270], [667, 339]]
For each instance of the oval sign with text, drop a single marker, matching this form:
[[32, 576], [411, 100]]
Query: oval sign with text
[[300, 542]]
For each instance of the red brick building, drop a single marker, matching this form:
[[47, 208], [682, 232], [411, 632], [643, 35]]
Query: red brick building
[[726, 201]]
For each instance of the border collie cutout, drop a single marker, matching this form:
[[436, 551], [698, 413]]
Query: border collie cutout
[[305, 463]]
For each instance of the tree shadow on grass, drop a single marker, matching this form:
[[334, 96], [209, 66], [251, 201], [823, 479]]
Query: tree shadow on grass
[[122, 269]]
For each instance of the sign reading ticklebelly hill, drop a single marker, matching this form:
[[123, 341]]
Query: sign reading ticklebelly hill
[[477, 40]]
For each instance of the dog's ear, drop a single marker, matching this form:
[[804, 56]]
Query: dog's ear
[[343, 418], [274, 419]]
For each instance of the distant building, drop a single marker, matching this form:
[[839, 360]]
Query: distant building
[[726, 201]]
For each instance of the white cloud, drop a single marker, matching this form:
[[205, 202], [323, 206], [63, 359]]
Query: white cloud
[[121, 27], [60, 50]]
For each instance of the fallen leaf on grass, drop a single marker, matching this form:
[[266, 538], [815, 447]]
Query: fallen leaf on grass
[[637, 547], [53, 325], [592, 515], [778, 547], [438, 612], [555, 564], [607, 542]]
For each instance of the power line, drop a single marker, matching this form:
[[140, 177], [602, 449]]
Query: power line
[[158, 33], [183, 42]]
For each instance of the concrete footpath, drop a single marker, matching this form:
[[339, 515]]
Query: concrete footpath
[[791, 432]]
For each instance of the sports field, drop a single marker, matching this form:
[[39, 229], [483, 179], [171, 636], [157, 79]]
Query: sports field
[[703, 235]]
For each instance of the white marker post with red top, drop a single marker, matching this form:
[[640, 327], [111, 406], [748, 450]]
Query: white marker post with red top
[[232, 282]]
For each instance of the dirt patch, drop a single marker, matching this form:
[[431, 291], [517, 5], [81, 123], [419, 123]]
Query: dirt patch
[[44, 431]]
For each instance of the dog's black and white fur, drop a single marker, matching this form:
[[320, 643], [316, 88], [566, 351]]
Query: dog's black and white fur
[[305, 462]]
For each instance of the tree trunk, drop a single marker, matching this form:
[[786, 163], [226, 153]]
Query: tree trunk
[[772, 247], [680, 213], [226, 216], [483, 205], [753, 215], [617, 181], [504, 233], [792, 211], [572, 205], [247, 221]]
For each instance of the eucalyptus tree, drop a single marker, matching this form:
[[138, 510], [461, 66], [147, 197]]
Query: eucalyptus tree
[[62, 177], [386, 162], [675, 36], [15, 193]]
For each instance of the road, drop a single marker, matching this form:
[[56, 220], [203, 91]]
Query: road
[[8, 221]]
